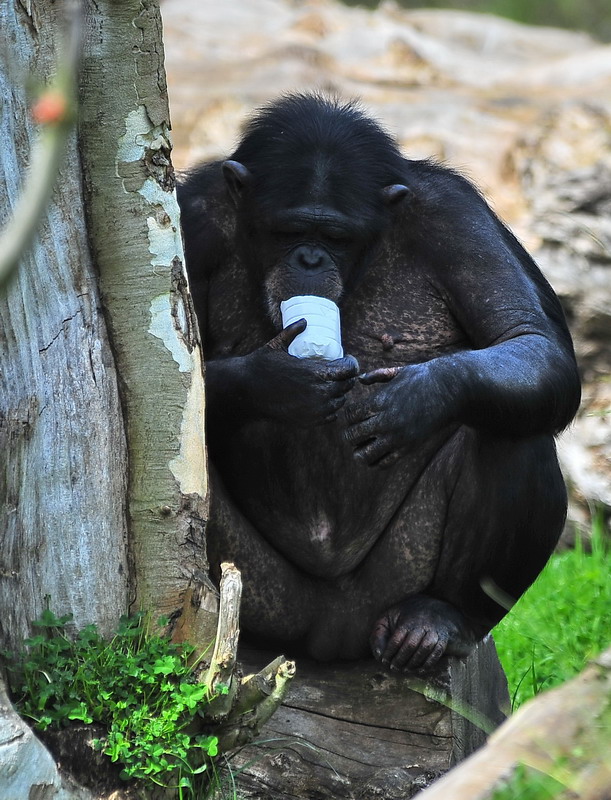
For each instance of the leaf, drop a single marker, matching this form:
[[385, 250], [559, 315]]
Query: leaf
[[209, 744], [49, 620], [80, 712], [165, 665], [36, 641], [139, 686]]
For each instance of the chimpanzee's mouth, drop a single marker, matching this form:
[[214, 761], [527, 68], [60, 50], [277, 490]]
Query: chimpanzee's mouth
[[282, 283]]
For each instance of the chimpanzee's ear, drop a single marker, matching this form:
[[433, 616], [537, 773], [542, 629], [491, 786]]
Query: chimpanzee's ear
[[394, 193], [237, 177]]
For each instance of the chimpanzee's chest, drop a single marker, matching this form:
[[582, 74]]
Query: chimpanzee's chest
[[397, 316]]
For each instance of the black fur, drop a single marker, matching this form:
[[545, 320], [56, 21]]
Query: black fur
[[367, 503]]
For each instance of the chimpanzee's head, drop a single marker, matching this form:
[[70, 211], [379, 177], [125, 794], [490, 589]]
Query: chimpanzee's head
[[312, 181]]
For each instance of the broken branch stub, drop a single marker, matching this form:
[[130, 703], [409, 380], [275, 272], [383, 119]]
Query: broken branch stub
[[240, 705], [220, 678]]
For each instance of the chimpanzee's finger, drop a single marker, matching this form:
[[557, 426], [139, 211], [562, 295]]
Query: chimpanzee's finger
[[341, 388], [379, 637], [361, 431], [420, 654], [408, 644], [387, 460], [357, 412], [381, 375], [333, 407], [287, 335], [373, 451], [433, 657], [341, 368]]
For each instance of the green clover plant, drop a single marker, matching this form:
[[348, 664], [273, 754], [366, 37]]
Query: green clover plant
[[139, 686]]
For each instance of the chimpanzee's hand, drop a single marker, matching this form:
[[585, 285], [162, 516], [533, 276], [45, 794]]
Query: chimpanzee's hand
[[398, 416], [303, 391]]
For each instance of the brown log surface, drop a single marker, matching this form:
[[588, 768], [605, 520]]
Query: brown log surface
[[355, 730]]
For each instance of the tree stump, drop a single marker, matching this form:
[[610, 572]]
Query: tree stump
[[355, 730]]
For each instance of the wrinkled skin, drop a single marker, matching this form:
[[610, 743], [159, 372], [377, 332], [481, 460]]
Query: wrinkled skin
[[366, 500]]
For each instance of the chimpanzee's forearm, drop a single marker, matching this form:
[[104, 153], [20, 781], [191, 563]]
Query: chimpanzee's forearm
[[523, 386]]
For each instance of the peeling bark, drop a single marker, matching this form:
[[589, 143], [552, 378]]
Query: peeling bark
[[103, 495], [134, 230]]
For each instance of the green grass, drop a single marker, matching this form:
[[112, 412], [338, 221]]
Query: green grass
[[561, 622], [528, 784]]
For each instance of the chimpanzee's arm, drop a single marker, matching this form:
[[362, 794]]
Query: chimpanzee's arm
[[520, 378]]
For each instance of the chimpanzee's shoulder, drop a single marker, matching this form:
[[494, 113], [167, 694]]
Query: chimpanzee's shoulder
[[207, 217], [436, 184], [202, 187]]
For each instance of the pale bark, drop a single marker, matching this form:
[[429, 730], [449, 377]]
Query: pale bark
[[248, 703], [27, 769], [62, 483], [135, 235], [103, 489]]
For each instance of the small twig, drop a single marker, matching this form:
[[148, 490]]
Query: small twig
[[257, 687], [264, 695], [282, 680]]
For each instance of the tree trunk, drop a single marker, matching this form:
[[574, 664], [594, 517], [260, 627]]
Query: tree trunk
[[63, 530], [135, 235], [103, 486], [70, 433]]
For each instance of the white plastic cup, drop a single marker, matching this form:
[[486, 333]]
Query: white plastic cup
[[322, 338]]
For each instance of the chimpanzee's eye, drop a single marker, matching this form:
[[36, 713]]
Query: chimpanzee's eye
[[287, 232], [338, 235]]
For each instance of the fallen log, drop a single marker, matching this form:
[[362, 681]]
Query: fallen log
[[355, 730]]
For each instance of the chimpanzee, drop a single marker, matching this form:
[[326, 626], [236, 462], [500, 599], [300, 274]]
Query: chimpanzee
[[367, 500]]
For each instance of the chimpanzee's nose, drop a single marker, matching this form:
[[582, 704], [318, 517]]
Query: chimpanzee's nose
[[309, 257]]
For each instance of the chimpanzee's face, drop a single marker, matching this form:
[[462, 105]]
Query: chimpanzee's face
[[303, 237], [307, 250]]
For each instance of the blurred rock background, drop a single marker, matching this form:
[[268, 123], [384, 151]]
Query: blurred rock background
[[524, 111]]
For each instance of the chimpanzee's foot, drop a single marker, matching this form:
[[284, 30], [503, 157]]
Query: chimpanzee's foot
[[413, 635]]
